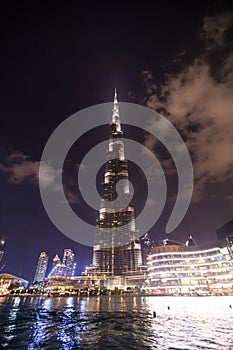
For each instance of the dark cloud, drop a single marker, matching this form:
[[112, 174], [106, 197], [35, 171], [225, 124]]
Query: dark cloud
[[201, 106], [215, 31], [19, 168]]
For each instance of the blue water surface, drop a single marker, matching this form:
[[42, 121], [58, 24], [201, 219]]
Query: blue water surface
[[127, 322]]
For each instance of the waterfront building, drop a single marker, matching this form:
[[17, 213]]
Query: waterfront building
[[92, 278], [116, 252], [41, 268], [60, 284], [9, 281], [175, 268]]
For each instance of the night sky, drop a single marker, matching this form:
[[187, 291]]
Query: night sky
[[176, 58]]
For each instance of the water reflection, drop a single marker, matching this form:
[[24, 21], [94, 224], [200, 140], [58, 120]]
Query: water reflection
[[119, 322], [113, 304], [8, 332], [67, 324], [46, 304], [193, 321]]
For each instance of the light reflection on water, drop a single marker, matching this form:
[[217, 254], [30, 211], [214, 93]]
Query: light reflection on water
[[120, 322]]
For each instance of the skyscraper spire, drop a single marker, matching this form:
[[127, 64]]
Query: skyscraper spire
[[115, 115], [115, 96]]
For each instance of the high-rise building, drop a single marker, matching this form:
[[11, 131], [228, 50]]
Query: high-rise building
[[68, 262], [41, 268], [117, 249], [146, 246], [56, 260], [57, 267], [2, 242], [65, 267]]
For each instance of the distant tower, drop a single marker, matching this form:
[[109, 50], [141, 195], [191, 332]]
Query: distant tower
[[56, 260], [56, 269], [190, 242], [226, 231], [2, 242], [117, 249], [146, 246], [41, 268], [68, 262]]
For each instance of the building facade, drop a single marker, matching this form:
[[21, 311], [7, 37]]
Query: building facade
[[178, 269], [68, 262], [117, 249], [9, 281], [41, 268], [2, 243], [146, 245], [63, 268]]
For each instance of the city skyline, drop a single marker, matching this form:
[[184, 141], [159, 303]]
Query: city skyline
[[74, 60], [60, 267]]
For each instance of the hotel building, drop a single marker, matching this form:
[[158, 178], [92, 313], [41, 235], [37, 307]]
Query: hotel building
[[63, 268], [68, 262], [175, 268], [41, 268]]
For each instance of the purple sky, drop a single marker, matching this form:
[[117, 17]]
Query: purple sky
[[176, 59]]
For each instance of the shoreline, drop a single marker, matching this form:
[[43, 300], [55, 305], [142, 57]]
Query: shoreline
[[109, 296]]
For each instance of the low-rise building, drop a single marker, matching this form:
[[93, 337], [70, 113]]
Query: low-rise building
[[8, 282], [175, 268]]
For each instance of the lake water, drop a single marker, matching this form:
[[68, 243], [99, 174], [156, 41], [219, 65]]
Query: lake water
[[116, 323]]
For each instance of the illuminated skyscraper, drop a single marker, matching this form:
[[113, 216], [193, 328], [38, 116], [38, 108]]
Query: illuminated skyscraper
[[146, 246], [117, 249], [56, 260], [41, 268], [68, 262], [65, 267], [57, 267], [2, 242]]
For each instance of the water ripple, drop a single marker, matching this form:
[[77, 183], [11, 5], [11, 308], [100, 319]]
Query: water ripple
[[32, 323]]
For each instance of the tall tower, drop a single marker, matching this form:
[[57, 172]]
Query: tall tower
[[41, 268], [56, 269], [68, 262], [56, 260], [2, 242], [117, 249]]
